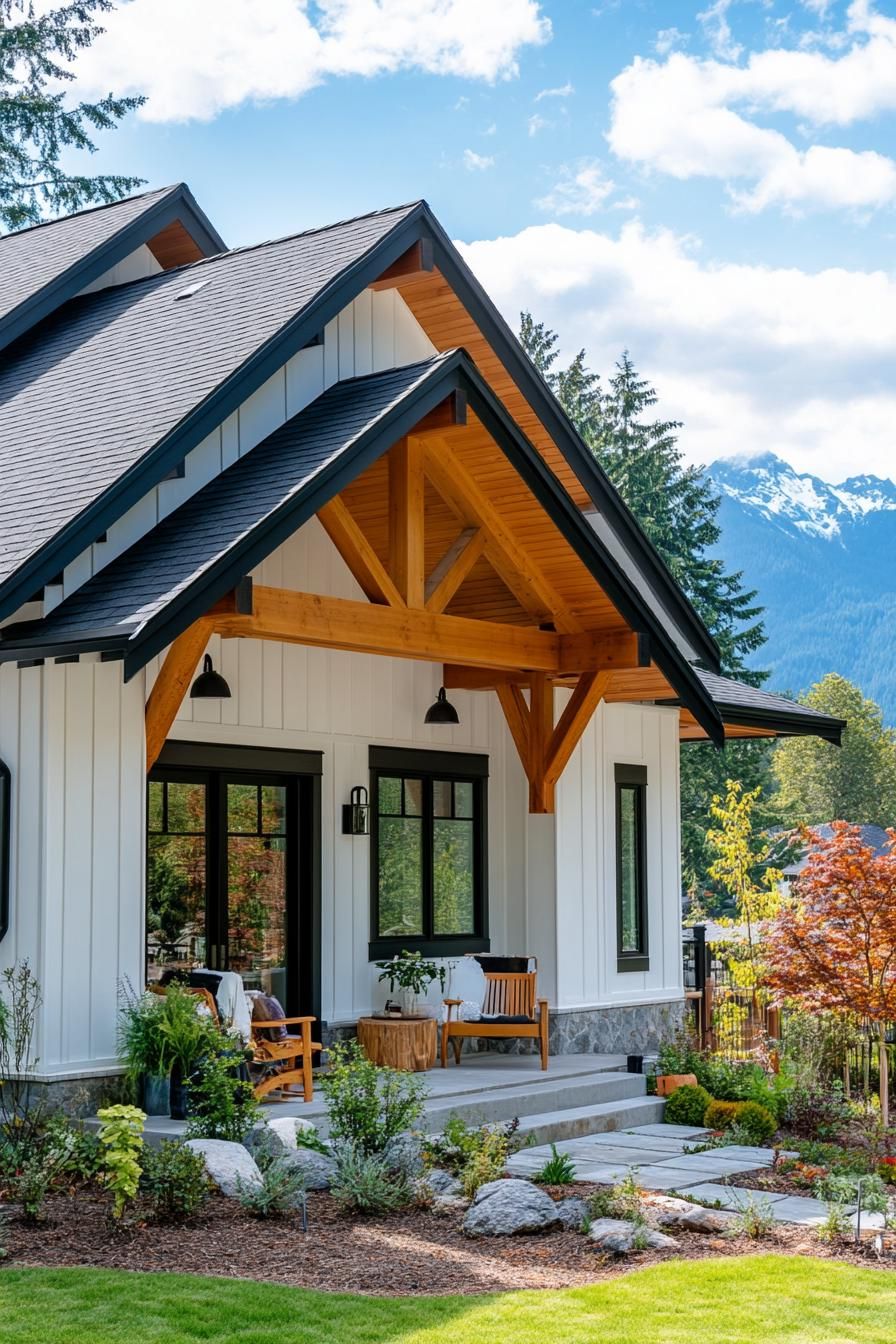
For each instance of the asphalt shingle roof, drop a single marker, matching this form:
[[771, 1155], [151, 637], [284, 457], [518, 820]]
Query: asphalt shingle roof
[[90, 392], [737, 697], [34, 258], [142, 581]]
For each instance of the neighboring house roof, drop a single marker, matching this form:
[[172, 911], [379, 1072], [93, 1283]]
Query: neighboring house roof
[[748, 707], [44, 266], [875, 837]]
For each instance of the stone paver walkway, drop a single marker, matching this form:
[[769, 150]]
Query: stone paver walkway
[[658, 1156]]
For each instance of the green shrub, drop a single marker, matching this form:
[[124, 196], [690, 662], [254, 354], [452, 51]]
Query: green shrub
[[754, 1122], [742, 1081], [817, 1112], [839, 1188], [475, 1154], [720, 1114], [310, 1138], [222, 1105], [754, 1218], [622, 1200], [558, 1170], [174, 1181], [282, 1190], [486, 1164], [364, 1182], [29, 1187], [368, 1105], [687, 1105], [121, 1143], [835, 1227]]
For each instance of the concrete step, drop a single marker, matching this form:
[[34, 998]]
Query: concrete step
[[603, 1118], [490, 1105]]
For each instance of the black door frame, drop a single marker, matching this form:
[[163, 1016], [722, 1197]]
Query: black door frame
[[300, 771]]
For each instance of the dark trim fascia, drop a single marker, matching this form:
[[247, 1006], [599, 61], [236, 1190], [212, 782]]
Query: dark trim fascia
[[465, 763], [143, 475], [382, 949], [780, 722], [27, 642], [576, 452], [178, 203], [632, 963], [227, 756]]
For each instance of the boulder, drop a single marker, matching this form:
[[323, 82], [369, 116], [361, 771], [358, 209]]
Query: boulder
[[442, 1182], [683, 1216], [621, 1237], [405, 1153], [230, 1166], [277, 1137], [572, 1212], [507, 1208], [317, 1169]]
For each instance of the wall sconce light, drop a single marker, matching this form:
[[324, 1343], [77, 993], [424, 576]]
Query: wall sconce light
[[356, 813], [209, 685], [441, 711]]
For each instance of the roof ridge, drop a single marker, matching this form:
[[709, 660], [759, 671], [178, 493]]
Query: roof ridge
[[257, 247], [91, 210]]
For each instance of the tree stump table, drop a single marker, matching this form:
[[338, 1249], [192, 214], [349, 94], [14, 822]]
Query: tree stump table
[[407, 1043]]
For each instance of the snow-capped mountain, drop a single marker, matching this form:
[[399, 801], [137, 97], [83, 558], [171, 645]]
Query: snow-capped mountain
[[823, 558], [803, 501]]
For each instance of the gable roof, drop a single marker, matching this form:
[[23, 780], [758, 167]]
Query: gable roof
[[110, 393], [748, 707], [44, 266], [142, 600]]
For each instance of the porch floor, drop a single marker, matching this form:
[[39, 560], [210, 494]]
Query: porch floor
[[578, 1093]]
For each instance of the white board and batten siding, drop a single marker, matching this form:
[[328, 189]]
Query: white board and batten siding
[[72, 735]]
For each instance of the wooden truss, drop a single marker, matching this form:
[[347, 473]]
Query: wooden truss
[[404, 615]]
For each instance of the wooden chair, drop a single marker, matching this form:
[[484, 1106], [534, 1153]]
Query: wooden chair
[[508, 994], [285, 1061]]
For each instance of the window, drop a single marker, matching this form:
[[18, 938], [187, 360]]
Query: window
[[428, 852], [631, 868], [5, 829]]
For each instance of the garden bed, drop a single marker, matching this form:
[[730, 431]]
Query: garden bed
[[403, 1255]]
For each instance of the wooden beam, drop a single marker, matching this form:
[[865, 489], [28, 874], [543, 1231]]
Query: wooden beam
[[516, 712], [590, 690], [447, 415], [339, 623], [613, 650], [410, 266], [510, 559], [453, 568], [358, 554], [406, 519], [456, 678], [541, 726], [171, 684]]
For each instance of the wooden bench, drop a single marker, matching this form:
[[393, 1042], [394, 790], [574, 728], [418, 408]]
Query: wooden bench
[[508, 994]]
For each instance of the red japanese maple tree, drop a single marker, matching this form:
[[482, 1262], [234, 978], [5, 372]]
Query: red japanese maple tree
[[833, 946]]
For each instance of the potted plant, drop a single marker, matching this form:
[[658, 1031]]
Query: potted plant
[[412, 975], [185, 1033], [142, 1048]]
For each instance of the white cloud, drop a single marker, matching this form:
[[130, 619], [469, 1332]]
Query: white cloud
[[689, 117], [582, 190], [564, 91], [669, 39], [477, 163], [536, 124], [194, 58], [749, 357], [718, 30]]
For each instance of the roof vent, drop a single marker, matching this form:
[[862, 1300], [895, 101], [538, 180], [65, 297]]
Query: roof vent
[[192, 289]]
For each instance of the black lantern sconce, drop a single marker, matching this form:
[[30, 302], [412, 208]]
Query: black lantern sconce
[[356, 814], [441, 711]]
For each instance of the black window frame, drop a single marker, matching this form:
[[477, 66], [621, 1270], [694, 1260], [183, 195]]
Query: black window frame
[[458, 767], [5, 844], [634, 778]]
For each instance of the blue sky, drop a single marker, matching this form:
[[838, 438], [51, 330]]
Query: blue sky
[[712, 185]]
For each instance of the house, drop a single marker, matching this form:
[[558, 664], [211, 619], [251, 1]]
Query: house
[[260, 507], [873, 837]]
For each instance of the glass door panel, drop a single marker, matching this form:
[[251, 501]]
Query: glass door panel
[[176, 880], [256, 877]]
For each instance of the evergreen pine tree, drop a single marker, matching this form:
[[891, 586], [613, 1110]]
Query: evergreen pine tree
[[38, 123], [677, 507]]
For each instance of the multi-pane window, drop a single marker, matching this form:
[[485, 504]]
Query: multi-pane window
[[428, 859], [631, 875], [5, 816]]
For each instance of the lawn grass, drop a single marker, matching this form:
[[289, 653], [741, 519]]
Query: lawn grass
[[744, 1300]]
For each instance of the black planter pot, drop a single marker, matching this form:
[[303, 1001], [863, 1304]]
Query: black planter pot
[[178, 1095], [635, 1063], [155, 1093]]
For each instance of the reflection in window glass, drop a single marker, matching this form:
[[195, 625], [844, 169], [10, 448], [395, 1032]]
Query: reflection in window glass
[[175, 878], [390, 796], [186, 808], [453, 877], [441, 798], [413, 797], [156, 807], [273, 809], [629, 869], [463, 798], [400, 877], [242, 809]]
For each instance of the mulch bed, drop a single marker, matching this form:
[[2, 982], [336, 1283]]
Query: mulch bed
[[403, 1255]]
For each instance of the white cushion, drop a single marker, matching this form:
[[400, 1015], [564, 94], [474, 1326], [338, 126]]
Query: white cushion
[[467, 982]]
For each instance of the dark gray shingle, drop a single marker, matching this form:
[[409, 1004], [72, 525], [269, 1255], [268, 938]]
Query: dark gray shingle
[[93, 390]]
